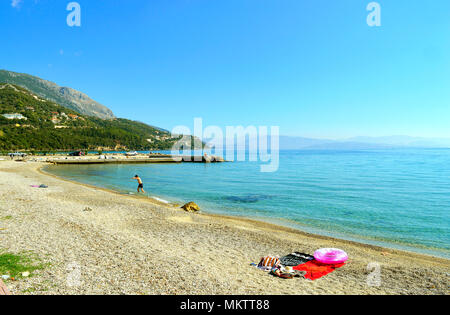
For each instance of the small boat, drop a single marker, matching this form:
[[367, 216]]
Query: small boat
[[134, 153]]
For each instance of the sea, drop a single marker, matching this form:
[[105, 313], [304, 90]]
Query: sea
[[396, 198]]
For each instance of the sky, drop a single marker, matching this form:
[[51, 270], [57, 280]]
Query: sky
[[313, 68]]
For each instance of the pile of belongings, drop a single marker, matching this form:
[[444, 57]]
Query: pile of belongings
[[39, 186], [296, 265]]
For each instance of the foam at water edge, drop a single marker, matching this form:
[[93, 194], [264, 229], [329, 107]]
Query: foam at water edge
[[159, 199]]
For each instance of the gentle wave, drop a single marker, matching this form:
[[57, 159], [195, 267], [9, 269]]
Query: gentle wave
[[160, 200]]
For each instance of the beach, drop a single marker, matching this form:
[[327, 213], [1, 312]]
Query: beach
[[131, 245]]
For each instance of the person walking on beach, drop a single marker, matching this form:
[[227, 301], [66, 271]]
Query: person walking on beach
[[141, 184]]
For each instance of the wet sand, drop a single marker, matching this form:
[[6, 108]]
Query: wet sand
[[129, 245]]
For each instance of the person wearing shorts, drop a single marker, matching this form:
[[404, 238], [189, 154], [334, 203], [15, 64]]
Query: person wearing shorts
[[141, 184]]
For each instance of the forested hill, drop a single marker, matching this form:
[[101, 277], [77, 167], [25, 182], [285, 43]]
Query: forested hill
[[64, 96], [29, 122]]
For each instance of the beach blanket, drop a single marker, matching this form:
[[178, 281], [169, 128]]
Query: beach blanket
[[295, 259], [268, 262], [315, 270]]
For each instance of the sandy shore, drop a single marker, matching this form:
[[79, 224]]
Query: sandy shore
[[128, 245]]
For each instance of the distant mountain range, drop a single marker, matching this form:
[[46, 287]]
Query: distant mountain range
[[356, 143], [405, 141], [360, 143], [64, 96]]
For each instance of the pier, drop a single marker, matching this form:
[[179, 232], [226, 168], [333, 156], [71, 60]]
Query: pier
[[161, 159]]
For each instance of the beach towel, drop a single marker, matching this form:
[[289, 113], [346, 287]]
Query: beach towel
[[295, 259], [315, 270], [268, 262]]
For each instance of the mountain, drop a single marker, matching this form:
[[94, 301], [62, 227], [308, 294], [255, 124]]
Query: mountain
[[361, 143], [405, 141], [64, 96], [30, 122], [356, 143], [299, 143]]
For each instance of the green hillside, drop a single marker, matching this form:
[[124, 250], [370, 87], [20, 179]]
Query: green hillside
[[49, 126], [64, 96]]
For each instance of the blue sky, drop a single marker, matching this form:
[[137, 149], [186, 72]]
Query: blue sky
[[314, 68]]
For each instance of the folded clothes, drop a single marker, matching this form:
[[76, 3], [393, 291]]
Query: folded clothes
[[315, 270]]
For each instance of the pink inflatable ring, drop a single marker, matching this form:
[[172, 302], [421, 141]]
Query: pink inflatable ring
[[331, 256]]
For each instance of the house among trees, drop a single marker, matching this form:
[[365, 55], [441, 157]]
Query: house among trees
[[14, 116]]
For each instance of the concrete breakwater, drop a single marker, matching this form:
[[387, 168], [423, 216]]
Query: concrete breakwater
[[137, 159]]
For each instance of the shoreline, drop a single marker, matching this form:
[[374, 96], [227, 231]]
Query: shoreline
[[264, 223], [134, 245]]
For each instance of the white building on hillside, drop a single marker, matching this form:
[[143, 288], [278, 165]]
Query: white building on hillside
[[14, 116]]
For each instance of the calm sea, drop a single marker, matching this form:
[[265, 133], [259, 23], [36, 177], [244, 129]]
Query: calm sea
[[393, 198]]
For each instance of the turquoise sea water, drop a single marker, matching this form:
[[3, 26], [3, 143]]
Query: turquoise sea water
[[393, 198]]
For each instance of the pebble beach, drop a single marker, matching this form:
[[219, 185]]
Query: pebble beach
[[95, 241]]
